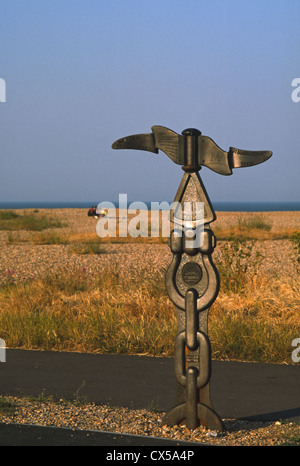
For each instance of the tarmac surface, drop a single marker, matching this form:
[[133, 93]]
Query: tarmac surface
[[239, 390]]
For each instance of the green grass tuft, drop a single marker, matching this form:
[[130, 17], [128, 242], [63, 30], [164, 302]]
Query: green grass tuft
[[11, 221]]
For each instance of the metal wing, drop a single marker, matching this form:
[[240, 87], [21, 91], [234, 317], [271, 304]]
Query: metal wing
[[209, 154]]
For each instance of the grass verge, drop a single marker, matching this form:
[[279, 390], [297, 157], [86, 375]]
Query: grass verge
[[110, 313], [77, 312]]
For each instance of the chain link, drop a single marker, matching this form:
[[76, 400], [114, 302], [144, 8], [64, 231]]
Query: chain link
[[192, 346], [192, 359]]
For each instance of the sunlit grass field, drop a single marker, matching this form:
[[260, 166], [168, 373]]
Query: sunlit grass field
[[255, 317]]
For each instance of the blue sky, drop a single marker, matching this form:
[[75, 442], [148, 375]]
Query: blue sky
[[80, 74]]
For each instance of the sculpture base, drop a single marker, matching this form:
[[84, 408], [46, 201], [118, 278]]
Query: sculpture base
[[205, 416]]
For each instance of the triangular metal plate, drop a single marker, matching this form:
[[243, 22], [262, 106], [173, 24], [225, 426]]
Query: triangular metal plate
[[192, 190]]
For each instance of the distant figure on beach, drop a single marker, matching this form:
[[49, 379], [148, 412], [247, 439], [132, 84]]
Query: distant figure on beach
[[92, 212]]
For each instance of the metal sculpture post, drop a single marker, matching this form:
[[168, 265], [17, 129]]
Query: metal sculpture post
[[192, 280]]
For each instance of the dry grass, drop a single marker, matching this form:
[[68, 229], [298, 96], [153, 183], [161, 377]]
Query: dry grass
[[78, 312], [255, 317], [257, 226], [29, 221], [258, 325], [54, 237], [110, 313], [253, 233]]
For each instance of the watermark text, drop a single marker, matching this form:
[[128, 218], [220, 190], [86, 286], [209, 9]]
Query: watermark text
[[2, 90], [2, 350], [296, 92], [296, 352], [135, 220]]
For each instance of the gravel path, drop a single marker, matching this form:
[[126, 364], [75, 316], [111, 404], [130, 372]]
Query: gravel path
[[142, 422]]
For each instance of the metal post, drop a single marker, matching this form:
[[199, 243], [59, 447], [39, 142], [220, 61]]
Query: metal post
[[192, 280]]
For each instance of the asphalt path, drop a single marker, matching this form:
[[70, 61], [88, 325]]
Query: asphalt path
[[240, 390]]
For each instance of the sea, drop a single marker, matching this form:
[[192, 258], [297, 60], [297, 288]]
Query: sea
[[218, 206]]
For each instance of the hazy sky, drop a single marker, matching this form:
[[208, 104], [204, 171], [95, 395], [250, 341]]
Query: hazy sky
[[80, 74]]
